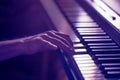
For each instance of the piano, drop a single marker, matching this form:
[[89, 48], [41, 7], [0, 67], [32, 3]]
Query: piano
[[94, 27]]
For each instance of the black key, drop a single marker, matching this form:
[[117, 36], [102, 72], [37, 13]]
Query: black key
[[107, 55], [103, 47], [90, 30], [96, 37], [109, 58], [103, 51], [81, 19], [112, 68], [72, 9], [76, 14], [101, 44], [97, 40]]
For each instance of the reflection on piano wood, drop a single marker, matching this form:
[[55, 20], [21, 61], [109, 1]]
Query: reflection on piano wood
[[97, 55]]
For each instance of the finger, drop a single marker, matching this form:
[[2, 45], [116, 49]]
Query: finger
[[57, 42], [48, 45], [63, 39], [67, 38], [64, 36]]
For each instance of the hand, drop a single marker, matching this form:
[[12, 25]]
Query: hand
[[50, 40]]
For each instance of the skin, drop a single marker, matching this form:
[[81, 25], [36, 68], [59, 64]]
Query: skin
[[50, 40]]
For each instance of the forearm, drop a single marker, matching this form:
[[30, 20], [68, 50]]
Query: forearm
[[50, 40], [12, 48]]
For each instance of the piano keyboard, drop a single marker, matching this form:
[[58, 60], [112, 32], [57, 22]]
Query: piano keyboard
[[96, 54]]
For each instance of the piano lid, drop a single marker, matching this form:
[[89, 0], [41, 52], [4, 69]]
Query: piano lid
[[113, 4], [109, 9]]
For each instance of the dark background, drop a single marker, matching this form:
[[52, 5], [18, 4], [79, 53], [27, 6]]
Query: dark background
[[21, 18]]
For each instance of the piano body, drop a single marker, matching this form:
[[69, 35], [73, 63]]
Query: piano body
[[93, 26]]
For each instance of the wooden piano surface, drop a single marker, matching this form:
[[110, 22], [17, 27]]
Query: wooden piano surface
[[97, 54]]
